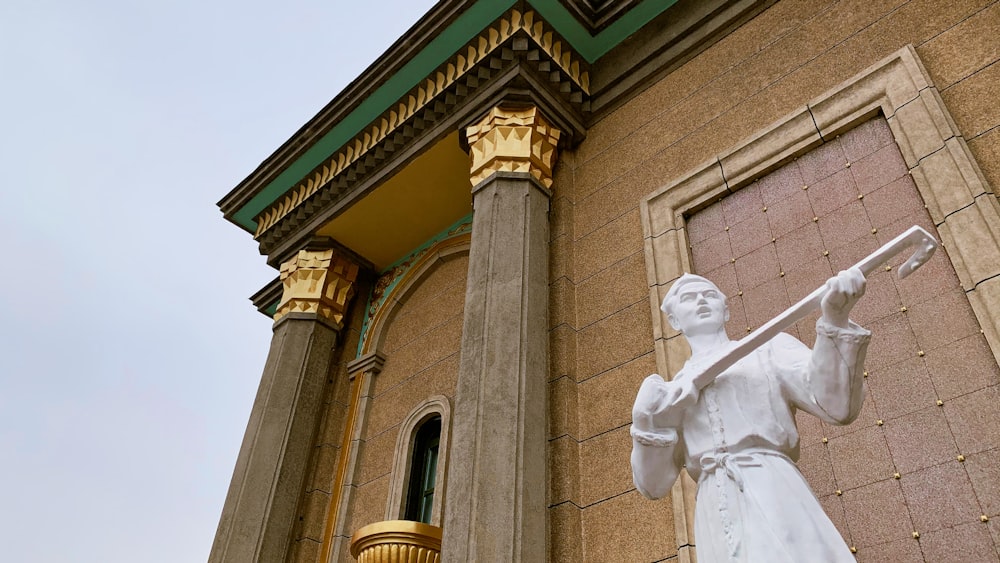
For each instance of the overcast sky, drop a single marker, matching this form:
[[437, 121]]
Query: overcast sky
[[129, 353]]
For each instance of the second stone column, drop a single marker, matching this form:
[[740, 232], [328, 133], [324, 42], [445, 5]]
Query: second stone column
[[496, 504]]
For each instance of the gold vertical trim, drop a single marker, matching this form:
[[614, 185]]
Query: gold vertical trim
[[336, 498]]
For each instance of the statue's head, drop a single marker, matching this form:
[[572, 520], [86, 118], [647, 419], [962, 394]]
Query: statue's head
[[695, 304]]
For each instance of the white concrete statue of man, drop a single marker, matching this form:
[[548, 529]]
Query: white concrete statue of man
[[736, 434]]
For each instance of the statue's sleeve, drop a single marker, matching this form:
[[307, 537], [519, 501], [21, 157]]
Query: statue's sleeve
[[657, 449], [827, 381], [657, 459]]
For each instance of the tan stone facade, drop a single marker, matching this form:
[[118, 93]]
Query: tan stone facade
[[780, 150], [601, 330]]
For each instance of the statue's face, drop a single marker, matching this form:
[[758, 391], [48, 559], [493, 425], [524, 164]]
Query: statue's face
[[699, 308]]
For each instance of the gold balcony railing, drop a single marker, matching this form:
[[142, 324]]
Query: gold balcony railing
[[397, 541]]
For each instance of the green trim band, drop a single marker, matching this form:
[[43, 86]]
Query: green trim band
[[272, 308], [593, 47]]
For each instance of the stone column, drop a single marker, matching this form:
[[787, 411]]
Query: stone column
[[496, 499], [259, 512]]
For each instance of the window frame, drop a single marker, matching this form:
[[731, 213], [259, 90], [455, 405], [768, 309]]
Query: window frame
[[402, 467]]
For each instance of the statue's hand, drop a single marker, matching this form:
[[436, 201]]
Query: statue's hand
[[652, 393], [843, 292], [660, 404]]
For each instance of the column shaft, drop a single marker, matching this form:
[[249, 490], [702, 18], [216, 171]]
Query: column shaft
[[497, 474], [259, 513], [260, 509]]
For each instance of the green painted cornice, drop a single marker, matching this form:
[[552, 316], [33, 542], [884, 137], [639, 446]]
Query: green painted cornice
[[593, 47], [244, 207]]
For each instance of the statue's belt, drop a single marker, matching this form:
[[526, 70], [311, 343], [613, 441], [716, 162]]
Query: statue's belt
[[732, 463]]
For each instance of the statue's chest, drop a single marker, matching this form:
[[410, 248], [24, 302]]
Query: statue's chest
[[742, 396], [746, 378]]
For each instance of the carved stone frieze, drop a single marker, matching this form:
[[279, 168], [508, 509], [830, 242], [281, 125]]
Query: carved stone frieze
[[318, 282], [515, 38], [513, 140]]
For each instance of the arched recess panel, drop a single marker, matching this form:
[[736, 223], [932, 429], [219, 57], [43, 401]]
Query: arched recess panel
[[417, 331]]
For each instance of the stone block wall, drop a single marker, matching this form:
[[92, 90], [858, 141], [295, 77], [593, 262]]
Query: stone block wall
[[602, 338]]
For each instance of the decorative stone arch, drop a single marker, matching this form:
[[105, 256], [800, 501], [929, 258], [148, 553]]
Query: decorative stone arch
[[398, 284], [957, 197], [399, 480]]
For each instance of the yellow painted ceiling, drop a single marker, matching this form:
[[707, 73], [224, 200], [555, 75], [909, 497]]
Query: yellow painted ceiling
[[430, 194]]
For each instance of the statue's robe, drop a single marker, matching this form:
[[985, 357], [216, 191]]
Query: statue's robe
[[737, 438]]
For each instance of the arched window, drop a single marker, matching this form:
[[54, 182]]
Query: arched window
[[423, 472], [418, 482]]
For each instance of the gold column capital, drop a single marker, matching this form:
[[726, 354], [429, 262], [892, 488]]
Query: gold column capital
[[513, 140], [317, 282]]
